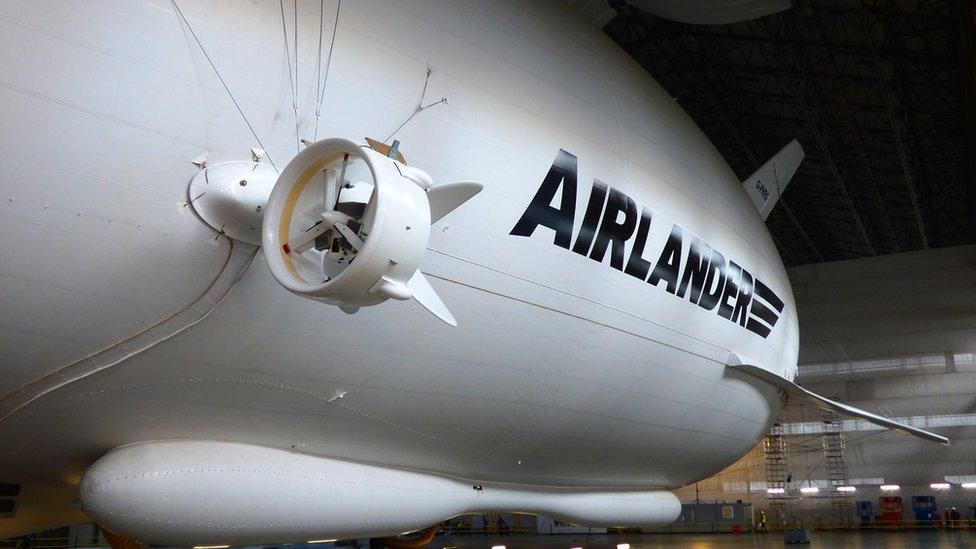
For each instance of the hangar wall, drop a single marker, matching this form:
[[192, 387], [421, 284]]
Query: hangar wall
[[895, 335]]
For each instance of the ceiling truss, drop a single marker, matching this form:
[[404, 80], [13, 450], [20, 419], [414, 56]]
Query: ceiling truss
[[876, 93]]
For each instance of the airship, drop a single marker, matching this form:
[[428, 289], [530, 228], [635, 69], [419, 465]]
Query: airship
[[282, 271]]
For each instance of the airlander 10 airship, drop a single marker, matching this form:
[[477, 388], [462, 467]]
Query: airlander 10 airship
[[283, 271]]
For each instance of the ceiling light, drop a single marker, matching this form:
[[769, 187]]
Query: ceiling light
[[776, 491], [939, 486], [623, 546], [846, 489], [322, 541], [809, 489], [497, 547], [211, 546], [890, 487], [969, 485]]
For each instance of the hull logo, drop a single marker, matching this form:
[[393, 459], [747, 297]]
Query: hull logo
[[685, 265]]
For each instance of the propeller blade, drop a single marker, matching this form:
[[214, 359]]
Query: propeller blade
[[307, 239], [424, 293], [447, 197], [351, 236]]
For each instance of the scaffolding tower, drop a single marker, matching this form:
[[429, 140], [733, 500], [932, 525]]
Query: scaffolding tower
[[777, 473], [833, 447]]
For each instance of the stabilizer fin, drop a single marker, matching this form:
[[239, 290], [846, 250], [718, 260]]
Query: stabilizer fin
[[447, 197], [820, 401], [767, 184], [425, 295]]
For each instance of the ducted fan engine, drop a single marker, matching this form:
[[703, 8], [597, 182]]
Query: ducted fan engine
[[348, 226]]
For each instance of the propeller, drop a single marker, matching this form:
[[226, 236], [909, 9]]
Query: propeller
[[351, 237], [331, 219], [365, 195], [442, 199]]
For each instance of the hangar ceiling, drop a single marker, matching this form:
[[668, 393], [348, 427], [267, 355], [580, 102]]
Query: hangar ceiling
[[879, 94]]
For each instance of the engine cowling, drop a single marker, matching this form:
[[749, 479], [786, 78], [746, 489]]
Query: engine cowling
[[348, 226]]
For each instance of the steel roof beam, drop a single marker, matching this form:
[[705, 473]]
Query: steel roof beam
[[807, 114], [623, 7]]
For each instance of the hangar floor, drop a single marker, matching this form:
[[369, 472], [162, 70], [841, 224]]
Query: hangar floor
[[854, 540]]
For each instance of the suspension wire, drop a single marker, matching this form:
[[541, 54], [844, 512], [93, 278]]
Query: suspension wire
[[413, 114], [291, 83], [318, 60], [423, 92], [284, 34], [328, 63], [297, 136], [222, 82], [420, 105]]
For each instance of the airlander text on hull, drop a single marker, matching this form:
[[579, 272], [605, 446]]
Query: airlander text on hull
[[700, 273]]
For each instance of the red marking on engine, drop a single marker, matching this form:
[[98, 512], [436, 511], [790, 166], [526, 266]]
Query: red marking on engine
[[286, 248]]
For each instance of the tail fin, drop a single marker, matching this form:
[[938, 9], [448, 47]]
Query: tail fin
[[767, 184]]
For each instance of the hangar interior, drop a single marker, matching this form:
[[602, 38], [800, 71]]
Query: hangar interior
[[889, 334], [877, 230]]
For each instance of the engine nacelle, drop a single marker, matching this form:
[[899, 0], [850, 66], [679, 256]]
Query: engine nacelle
[[347, 225]]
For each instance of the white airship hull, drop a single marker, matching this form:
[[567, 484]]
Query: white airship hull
[[564, 372]]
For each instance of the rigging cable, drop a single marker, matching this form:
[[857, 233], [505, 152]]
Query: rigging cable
[[297, 136], [328, 62], [318, 60], [291, 75], [222, 82], [420, 105], [239, 258]]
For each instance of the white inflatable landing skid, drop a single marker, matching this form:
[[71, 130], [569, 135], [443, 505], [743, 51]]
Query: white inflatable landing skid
[[767, 184], [795, 390], [198, 492]]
